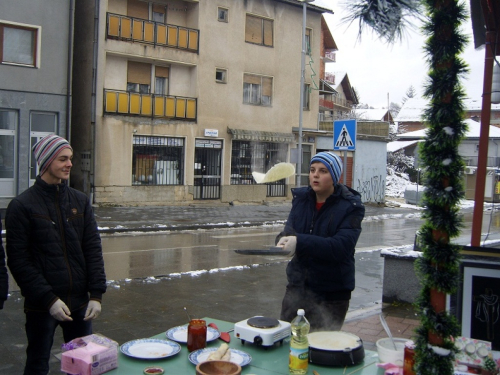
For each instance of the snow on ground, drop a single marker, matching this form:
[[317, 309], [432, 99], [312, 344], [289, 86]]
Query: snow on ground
[[395, 183]]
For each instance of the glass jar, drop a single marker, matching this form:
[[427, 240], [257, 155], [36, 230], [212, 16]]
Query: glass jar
[[409, 358], [197, 335]]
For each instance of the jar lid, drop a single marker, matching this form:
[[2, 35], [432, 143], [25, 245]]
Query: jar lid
[[153, 370]]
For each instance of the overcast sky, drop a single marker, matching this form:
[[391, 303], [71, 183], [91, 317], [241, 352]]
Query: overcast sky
[[376, 69]]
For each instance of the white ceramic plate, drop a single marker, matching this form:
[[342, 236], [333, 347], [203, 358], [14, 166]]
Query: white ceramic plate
[[179, 334], [150, 348], [237, 356]]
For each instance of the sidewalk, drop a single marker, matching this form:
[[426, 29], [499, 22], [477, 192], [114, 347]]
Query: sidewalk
[[140, 308]]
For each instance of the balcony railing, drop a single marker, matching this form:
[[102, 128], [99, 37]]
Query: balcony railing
[[330, 56], [149, 105], [145, 31]]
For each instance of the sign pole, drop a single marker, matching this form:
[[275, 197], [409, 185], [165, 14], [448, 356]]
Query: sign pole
[[345, 167]]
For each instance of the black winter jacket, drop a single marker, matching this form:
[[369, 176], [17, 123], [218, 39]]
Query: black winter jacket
[[4, 278], [53, 247], [324, 256]]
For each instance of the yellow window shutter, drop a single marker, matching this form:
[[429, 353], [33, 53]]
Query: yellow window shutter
[[111, 101], [123, 102], [183, 36], [135, 103], [159, 106], [193, 40], [146, 105], [191, 109], [149, 35], [170, 112], [113, 25], [137, 26], [161, 34], [126, 28], [180, 108], [172, 36]]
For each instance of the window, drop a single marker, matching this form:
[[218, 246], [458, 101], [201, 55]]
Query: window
[[247, 157], [18, 44], [43, 122], [161, 80], [257, 89], [221, 75], [222, 14], [157, 160], [137, 87], [259, 30], [158, 11], [8, 125], [307, 92], [138, 77], [308, 41]]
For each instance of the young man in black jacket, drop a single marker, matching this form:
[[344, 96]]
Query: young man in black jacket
[[321, 231], [54, 253]]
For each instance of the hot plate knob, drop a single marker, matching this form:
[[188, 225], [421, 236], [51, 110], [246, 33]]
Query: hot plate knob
[[257, 340]]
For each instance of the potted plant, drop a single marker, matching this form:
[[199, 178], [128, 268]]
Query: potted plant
[[489, 367]]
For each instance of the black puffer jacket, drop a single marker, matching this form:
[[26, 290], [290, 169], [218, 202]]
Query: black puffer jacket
[[4, 278], [324, 256], [53, 247]]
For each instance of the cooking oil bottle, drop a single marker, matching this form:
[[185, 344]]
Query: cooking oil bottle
[[299, 345]]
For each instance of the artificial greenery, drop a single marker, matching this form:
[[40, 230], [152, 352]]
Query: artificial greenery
[[489, 364], [438, 267]]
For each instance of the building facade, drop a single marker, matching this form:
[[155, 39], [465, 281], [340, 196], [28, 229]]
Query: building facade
[[35, 90], [180, 101]]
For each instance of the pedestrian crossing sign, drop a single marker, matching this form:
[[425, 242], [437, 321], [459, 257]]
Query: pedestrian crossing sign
[[344, 135]]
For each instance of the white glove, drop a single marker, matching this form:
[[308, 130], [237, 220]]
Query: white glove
[[288, 243], [60, 311], [93, 310]]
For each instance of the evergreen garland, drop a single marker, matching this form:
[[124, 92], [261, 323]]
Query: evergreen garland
[[438, 268]]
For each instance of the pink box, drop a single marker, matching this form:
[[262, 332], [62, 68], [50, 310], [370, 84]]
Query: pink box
[[92, 359]]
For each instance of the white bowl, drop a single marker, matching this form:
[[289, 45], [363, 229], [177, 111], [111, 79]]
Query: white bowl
[[386, 352]]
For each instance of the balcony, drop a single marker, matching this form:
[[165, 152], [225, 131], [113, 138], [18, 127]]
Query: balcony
[[330, 56], [150, 105], [150, 32]]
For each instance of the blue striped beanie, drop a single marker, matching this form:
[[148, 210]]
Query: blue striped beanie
[[331, 161], [47, 149]]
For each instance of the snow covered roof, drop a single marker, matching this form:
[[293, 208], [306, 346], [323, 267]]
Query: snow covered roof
[[398, 145], [474, 131], [413, 108], [374, 114]]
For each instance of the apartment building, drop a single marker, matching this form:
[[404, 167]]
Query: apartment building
[[35, 89], [177, 101]]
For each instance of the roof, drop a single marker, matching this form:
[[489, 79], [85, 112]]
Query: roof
[[328, 40], [473, 132], [485, 16], [310, 6], [413, 108], [341, 79], [374, 114], [398, 145]]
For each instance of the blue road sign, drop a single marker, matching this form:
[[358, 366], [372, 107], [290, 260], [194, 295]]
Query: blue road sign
[[344, 135]]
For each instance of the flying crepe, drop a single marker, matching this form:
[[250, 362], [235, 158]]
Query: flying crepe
[[277, 172]]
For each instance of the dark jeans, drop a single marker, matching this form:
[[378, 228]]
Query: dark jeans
[[40, 329], [323, 315]]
